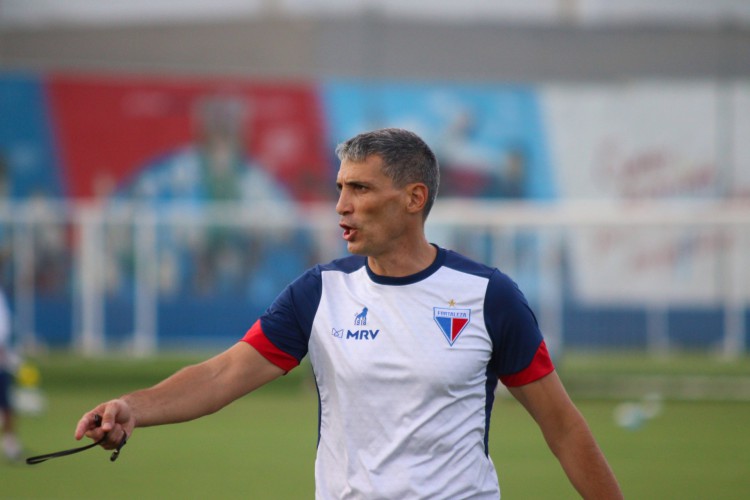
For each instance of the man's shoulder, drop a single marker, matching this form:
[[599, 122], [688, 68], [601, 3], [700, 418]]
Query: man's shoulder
[[462, 263], [347, 264], [312, 278], [499, 283]]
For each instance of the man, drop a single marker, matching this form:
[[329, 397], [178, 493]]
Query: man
[[11, 445], [406, 341]]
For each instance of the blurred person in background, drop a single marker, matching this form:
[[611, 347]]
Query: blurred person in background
[[407, 343], [11, 444]]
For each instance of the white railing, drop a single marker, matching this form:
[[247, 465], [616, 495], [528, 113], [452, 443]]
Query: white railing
[[720, 257], [655, 256]]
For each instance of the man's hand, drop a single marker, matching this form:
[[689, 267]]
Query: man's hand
[[117, 421]]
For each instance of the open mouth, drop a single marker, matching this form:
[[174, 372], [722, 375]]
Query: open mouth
[[349, 231]]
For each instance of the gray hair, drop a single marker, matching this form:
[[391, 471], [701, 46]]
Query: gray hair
[[406, 158]]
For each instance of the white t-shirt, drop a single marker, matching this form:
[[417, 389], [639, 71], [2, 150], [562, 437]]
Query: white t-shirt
[[406, 370]]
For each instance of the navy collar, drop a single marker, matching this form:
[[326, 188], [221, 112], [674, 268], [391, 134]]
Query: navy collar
[[413, 278]]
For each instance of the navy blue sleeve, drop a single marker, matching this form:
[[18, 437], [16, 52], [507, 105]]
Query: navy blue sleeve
[[512, 326], [287, 323]]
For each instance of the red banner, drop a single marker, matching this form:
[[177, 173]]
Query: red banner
[[111, 129]]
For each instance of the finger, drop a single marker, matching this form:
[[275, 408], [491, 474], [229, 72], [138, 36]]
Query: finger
[[109, 417], [114, 438], [85, 424]]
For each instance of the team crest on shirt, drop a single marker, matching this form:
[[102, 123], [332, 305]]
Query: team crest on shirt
[[451, 321]]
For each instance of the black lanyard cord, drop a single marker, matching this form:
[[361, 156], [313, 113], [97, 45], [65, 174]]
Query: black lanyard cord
[[64, 453], [42, 458]]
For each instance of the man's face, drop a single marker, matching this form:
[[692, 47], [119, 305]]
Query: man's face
[[372, 209]]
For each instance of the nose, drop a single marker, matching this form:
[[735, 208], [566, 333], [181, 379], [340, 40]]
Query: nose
[[343, 206]]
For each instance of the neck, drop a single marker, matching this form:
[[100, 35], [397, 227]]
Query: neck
[[403, 261]]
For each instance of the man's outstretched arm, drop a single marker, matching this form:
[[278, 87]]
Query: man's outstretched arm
[[192, 392]]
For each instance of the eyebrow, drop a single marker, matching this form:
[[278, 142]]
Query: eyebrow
[[352, 183]]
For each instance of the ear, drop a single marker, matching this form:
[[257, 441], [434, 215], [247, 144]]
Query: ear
[[416, 197]]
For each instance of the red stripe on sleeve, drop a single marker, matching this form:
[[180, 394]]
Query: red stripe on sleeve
[[539, 367], [256, 338]]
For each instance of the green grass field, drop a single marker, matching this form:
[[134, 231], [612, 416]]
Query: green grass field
[[263, 445]]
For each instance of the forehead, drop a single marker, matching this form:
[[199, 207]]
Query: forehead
[[370, 170]]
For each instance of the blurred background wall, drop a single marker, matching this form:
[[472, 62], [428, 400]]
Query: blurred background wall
[[167, 166], [479, 40]]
